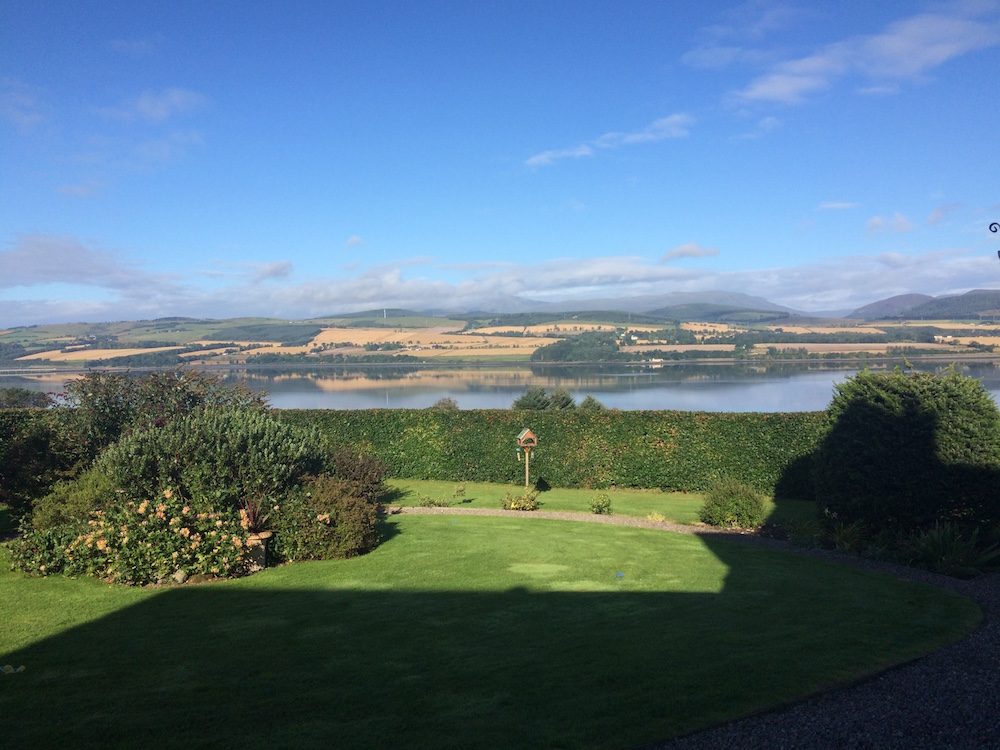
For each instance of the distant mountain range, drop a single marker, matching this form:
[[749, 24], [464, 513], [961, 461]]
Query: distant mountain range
[[724, 306], [977, 303], [717, 306]]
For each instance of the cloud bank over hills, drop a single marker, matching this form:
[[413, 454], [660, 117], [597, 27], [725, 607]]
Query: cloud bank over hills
[[98, 284]]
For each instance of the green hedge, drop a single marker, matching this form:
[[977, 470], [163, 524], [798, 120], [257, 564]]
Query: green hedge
[[669, 449]]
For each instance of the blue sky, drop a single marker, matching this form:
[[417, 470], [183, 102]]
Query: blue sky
[[303, 158]]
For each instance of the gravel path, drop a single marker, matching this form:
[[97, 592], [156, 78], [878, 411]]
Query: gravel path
[[949, 699]]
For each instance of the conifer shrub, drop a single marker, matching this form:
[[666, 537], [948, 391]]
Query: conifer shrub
[[324, 520], [733, 504], [905, 451]]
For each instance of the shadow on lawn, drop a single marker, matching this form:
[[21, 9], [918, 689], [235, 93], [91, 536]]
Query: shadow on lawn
[[249, 666]]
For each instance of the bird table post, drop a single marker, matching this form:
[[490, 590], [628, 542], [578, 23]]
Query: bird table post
[[526, 440]]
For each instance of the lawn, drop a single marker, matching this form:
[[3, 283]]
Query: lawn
[[678, 507], [457, 632]]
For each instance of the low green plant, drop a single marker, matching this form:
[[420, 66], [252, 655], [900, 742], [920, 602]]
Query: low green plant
[[846, 537], [656, 516], [74, 500], [946, 549], [140, 542], [601, 504], [41, 551], [527, 501], [324, 520], [426, 501], [733, 504]]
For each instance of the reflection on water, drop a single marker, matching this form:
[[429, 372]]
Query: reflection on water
[[688, 387]]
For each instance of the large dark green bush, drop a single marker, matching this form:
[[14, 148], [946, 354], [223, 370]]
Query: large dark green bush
[[366, 473], [37, 448], [324, 520], [732, 504], [904, 451], [108, 405], [669, 449], [224, 456], [22, 398]]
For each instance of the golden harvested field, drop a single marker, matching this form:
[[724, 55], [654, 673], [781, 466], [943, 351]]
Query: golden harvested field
[[708, 327], [81, 355], [851, 348], [949, 324], [826, 329], [563, 327], [429, 342]]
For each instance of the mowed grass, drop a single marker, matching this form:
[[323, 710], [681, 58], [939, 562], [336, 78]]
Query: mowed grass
[[457, 632], [677, 507]]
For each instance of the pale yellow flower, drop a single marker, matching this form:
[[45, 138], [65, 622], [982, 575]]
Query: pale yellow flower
[[168, 493]]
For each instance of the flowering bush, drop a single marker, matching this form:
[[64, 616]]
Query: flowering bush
[[527, 501], [601, 504], [141, 542], [325, 520]]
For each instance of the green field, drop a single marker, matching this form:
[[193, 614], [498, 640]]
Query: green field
[[457, 632]]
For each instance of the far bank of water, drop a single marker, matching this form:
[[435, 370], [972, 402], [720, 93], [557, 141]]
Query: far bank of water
[[686, 387]]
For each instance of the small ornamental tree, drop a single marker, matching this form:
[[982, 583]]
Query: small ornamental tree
[[906, 450]]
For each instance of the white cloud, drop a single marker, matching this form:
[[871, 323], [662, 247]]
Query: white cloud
[[836, 205], [279, 269], [157, 106], [764, 126], [545, 158], [905, 50], [165, 148], [127, 291], [690, 250], [897, 223], [85, 189], [355, 240], [20, 104], [940, 213], [677, 125]]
